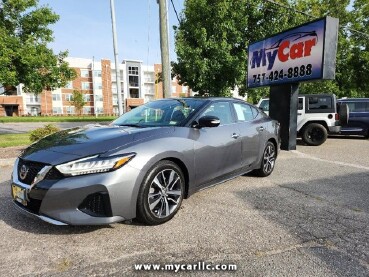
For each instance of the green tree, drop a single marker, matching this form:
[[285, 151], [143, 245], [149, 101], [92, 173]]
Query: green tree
[[24, 55], [213, 35], [78, 101]]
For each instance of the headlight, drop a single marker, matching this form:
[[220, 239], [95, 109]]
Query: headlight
[[94, 164]]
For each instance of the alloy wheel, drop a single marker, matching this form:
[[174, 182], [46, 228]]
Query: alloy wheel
[[269, 158], [165, 193]]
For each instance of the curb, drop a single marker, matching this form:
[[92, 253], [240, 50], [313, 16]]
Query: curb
[[7, 162]]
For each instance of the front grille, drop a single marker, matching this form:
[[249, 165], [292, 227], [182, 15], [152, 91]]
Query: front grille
[[96, 204], [33, 169], [54, 174], [33, 205]]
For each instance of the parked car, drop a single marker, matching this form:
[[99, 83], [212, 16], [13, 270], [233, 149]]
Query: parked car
[[358, 123], [317, 115], [145, 163]]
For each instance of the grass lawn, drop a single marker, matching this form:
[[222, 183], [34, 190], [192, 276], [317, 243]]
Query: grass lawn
[[8, 119], [7, 140]]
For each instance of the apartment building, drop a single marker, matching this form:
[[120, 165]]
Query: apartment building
[[97, 81]]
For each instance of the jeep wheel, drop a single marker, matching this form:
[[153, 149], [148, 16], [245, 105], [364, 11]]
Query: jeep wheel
[[314, 134]]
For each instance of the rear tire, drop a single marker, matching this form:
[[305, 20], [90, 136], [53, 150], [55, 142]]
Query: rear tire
[[314, 134], [267, 161], [161, 193]]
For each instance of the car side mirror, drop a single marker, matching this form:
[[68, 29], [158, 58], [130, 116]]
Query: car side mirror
[[207, 121]]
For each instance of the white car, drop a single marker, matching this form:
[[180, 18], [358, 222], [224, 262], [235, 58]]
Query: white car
[[317, 115]]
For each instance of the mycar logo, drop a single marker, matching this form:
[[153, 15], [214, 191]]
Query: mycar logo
[[298, 54], [285, 49]]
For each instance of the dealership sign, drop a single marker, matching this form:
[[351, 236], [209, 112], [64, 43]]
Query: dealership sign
[[307, 52]]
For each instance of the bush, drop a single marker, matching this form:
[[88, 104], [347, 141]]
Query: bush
[[39, 133]]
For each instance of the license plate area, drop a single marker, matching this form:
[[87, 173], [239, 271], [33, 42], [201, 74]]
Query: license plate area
[[19, 194]]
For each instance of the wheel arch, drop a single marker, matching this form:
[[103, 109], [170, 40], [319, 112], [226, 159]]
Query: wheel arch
[[272, 140], [184, 170], [321, 122]]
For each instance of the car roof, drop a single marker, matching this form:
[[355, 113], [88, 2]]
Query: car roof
[[205, 98], [354, 100]]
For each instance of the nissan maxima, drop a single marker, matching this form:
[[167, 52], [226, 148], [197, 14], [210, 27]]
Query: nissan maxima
[[144, 163]]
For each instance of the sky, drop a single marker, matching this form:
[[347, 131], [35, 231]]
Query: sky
[[85, 30]]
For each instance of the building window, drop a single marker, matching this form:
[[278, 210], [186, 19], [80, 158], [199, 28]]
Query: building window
[[184, 89], [99, 110], [69, 85], [85, 73], [86, 85], [98, 85], [70, 110], [115, 100], [133, 70], [133, 93], [87, 110], [98, 97], [97, 73], [133, 81], [68, 97], [33, 99], [57, 110], [149, 90], [87, 97], [56, 97]]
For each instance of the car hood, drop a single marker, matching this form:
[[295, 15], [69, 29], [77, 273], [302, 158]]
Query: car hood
[[72, 144]]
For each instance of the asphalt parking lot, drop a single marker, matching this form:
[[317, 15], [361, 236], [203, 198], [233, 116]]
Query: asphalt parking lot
[[309, 218]]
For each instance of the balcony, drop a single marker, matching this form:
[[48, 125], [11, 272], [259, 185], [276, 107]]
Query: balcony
[[33, 101]]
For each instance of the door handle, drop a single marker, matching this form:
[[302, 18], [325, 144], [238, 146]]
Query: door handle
[[235, 136], [261, 128], [299, 113]]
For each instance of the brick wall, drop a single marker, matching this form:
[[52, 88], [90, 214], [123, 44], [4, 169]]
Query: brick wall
[[46, 99], [159, 86], [12, 100], [106, 86]]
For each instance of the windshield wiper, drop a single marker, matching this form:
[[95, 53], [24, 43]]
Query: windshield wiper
[[130, 125]]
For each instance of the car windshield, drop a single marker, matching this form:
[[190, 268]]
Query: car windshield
[[171, 112]]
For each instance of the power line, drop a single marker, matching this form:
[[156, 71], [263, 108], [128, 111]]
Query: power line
[[311, 16], [175, 10], [289, 8], [355, 31]]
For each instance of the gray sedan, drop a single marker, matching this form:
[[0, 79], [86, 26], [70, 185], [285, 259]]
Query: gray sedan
[[145, 163]]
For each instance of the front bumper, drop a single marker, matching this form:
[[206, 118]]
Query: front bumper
[[71, 200]]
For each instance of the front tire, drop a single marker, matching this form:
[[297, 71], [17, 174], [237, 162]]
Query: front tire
[[314, 134], [268, 160], [161, 193]]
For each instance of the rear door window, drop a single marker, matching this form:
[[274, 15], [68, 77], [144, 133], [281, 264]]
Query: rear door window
[[320, 103], [244, 112], [358, 106]]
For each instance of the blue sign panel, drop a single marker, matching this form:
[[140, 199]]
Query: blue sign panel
[[292, 56]]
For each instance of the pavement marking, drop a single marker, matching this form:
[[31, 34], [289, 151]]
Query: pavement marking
[[306, 156]]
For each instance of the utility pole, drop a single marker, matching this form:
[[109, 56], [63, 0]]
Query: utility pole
[[164, 47], [117, 71]]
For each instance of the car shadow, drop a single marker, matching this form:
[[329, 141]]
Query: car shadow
[[16, 219]]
